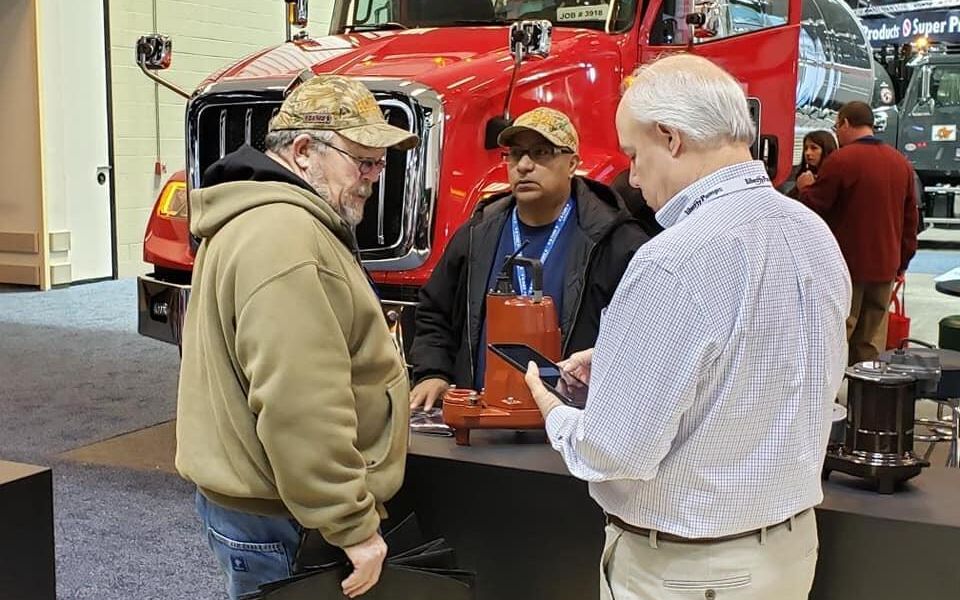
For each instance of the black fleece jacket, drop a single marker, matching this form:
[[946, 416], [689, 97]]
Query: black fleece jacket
[[246, 163], [451, 309]]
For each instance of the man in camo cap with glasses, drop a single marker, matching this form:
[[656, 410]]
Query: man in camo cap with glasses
[[281, 419], [578, 228]]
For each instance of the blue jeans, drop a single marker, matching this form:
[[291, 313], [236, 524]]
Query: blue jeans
[[251, 549]]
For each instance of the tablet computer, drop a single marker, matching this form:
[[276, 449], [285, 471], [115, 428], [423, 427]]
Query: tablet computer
[[519, 355]]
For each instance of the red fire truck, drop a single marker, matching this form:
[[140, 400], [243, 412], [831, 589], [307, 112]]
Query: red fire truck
[[455, 72]]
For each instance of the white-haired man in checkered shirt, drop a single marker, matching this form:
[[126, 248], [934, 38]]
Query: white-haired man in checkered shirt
[[717, 362]]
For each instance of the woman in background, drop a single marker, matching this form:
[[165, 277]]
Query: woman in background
[[817, 146]]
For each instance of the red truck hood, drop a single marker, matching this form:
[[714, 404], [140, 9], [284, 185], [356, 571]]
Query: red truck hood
[[436, 57]]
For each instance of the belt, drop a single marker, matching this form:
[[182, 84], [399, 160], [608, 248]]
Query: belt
[[669, 537]]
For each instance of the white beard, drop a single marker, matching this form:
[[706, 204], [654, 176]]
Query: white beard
[[352, 212]]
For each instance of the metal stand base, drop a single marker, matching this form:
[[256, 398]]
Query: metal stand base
[[886, 477], [942, 429]]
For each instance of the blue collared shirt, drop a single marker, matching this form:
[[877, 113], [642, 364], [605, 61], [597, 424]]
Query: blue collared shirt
[[554, 271], [716, 366]]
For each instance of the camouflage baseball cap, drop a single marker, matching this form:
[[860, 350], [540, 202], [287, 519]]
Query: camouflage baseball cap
[[336, 103], [551, 124]]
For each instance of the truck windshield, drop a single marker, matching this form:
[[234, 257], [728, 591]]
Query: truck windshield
[[934, 89], [945, 86], [367, 15]]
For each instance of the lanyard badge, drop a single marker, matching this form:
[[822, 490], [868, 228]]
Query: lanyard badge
[[526, 289]]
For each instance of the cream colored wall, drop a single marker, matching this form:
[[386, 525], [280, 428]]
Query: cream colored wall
[[73, 139], [54, 109], [21, 200], [207, 34]]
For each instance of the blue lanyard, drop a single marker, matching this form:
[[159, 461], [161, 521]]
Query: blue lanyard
[[527, 290]]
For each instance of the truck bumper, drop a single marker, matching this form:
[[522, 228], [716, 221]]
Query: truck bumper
[[400, 321], [940, 206], [161, 308]]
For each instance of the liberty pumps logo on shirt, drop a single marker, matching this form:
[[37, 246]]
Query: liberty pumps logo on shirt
[[730, 185], [703, 198], [710, 194]]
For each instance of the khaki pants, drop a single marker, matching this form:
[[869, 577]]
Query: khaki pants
[[780, 567], [867, 323]]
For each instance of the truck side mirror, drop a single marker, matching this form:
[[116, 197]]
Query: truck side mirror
[[154, 52], [665, 31], [753, 107], [879, 121], [705, 22], [495, 127], [530, 38], [297, 13], [768, 151], [527, 38], [925, 94]]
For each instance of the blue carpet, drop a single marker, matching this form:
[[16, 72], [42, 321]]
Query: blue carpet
[[934, 262], [74, 371], [125, 535], [105, 306]]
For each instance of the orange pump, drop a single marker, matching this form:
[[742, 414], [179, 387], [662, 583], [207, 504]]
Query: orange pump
[[505, 401]]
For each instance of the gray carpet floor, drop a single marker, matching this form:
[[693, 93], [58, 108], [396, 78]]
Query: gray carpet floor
[[74, 371]]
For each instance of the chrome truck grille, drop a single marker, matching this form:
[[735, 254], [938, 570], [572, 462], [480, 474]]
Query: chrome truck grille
[[396, 228]]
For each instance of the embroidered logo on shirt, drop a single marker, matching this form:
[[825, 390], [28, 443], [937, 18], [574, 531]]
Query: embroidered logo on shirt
[[696, 203]]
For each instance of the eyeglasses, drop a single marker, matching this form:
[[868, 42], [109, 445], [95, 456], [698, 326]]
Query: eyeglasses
[[367, 166], [538, 154]]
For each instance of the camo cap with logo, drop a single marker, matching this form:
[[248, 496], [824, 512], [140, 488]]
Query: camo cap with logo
[[335, 103], [551, 124]]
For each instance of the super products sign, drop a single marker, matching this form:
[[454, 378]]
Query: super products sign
[[943, 26]]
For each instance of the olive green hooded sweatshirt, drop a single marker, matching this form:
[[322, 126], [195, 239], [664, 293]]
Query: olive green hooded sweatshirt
[[293, 399]]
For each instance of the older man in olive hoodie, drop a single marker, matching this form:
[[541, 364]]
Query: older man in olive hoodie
[[287, 360]]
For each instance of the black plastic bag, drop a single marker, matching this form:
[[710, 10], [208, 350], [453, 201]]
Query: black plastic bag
[[415, 569]]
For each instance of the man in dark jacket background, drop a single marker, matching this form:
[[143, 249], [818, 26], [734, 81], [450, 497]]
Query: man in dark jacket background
[[580, 229], [865, 192]]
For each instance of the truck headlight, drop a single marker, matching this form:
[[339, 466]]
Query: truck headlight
[[173, 200]]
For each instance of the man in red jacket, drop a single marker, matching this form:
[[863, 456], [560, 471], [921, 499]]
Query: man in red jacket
[[865, 193]]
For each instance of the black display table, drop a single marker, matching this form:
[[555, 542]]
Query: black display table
[[26, 533], [514, 514], [950, 287]]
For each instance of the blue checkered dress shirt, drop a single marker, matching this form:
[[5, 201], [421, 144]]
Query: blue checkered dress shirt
[[716, 365]]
